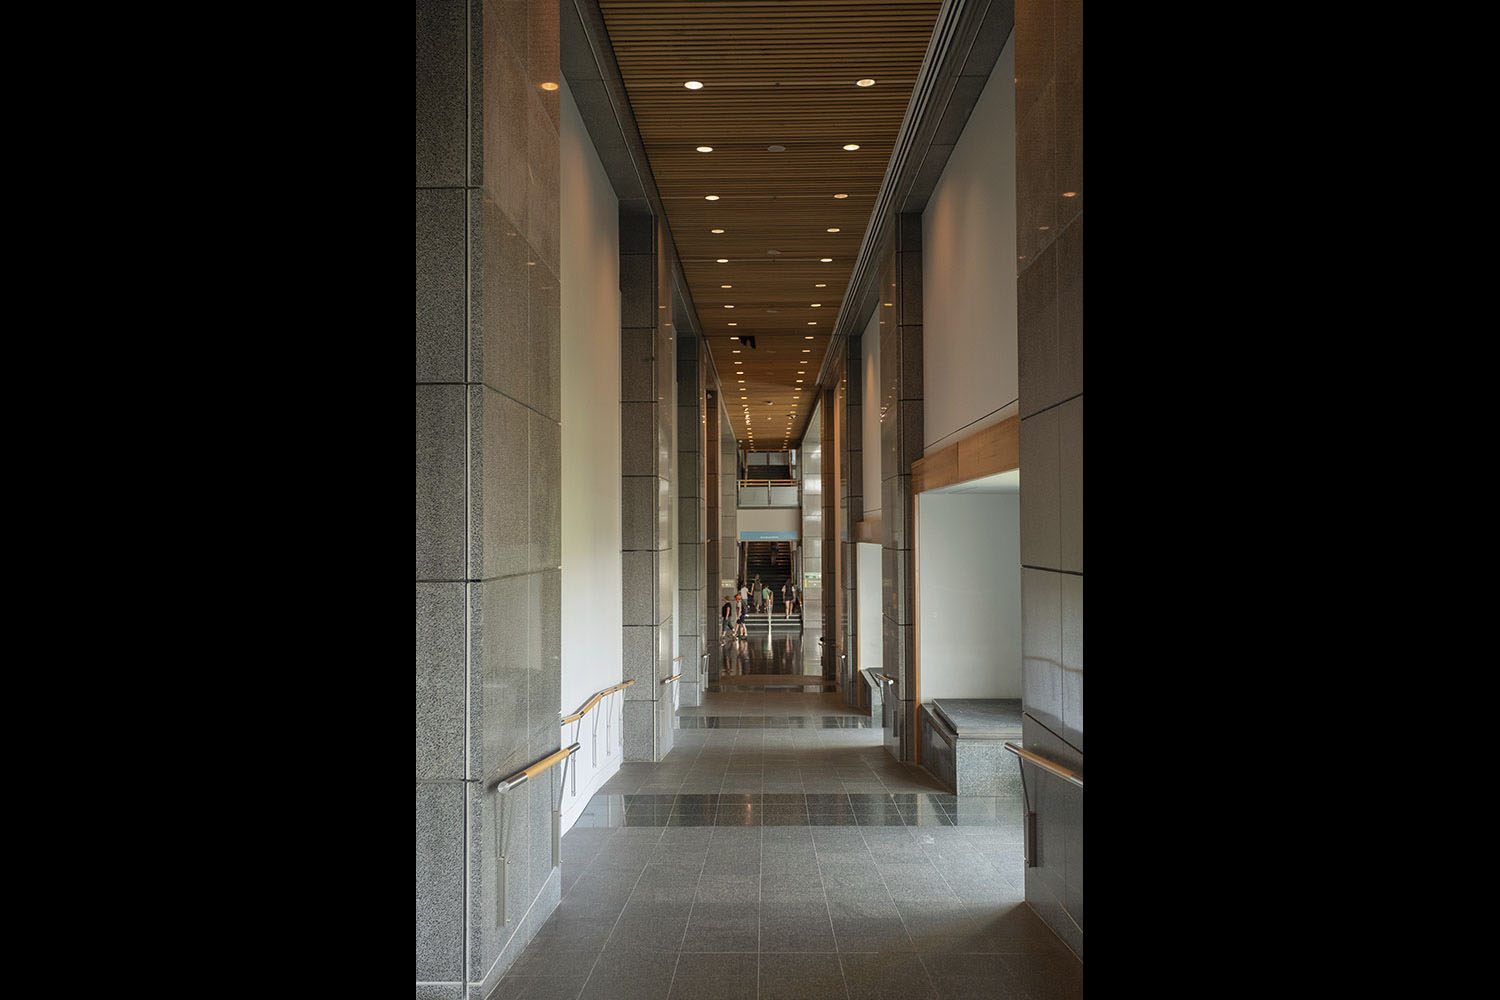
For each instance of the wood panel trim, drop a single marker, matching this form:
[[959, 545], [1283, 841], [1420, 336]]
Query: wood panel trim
[[994, 449]]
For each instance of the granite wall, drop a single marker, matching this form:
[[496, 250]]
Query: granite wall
[[900, 445], [692, 510], [1049, 266], [488, 480], [648, 442]]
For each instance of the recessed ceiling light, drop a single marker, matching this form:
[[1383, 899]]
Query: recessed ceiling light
[[736, 350], [716, 230], [693, 85], [808, 337], [728, 307], [820, 286], [826, 260], [723, 260], [834, 229], [710, 197], [851, 146], [778, 148], [734, 338], [774, 253], [807, 350], [841, 196], [816, 305], [812, 322], [549, 86], [705, 149], [726, 286], [866, 82], [1069, 194]]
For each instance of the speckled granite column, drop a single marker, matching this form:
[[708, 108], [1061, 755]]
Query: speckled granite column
[[729, 499], [713, 488], [812, 532], [692, 513], [1049, 285], [851, 483], [829, 556], [648, 430], [901, 445], [488, 480]]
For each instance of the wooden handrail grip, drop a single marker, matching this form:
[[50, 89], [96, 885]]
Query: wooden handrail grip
[[594, 701], [1045, 764], [528, 773]]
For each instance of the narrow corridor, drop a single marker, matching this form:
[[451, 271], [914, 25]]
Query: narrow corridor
[[779, 851]]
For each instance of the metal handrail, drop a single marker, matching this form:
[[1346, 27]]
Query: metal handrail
[[588, 707], [768, 482], [1045, 764], [674, 677], [526, 774]]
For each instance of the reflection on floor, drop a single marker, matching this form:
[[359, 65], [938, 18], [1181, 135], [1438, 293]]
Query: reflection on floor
[[780, 852]]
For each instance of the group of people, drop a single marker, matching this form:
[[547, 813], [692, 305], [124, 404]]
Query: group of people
[[757, 597]]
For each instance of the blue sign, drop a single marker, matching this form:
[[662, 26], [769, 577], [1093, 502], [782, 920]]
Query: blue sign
[[769, 536]]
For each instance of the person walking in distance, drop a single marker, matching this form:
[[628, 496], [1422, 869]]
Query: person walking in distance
[[765, 600], [786, 597], [739, 629]]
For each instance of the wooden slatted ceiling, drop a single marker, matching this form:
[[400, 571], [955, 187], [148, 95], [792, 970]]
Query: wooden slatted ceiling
[[774, 72]]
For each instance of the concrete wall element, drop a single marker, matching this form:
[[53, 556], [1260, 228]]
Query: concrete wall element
[[729, 548], [713, 526], [692, 510], [851, 512], [969, 298], [488, 481], [901, 390], [833, 488], [871, 414], [813, 486], [591, 483], [648, 450], [1049, 283], [869, 632], [970, 583]]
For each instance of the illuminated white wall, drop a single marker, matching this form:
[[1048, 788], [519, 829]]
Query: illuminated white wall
[[969, 579], [969, 353], [591, 483]]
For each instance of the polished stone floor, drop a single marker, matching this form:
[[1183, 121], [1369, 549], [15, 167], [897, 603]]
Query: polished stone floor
[[780, 852]]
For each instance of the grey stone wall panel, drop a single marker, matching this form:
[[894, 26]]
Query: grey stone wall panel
[[440, 880], [545, 321], [545, 450], [1041, 507], [500, 342], [500, 643], [442, 274], [444, 96], [441, 513], [543, 214], [505, 135], [440, 614], [499, 485]]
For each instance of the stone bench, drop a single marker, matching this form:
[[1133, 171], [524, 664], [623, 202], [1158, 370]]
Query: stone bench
[[963, 744]]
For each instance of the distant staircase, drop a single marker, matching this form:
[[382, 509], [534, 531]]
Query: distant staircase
[[772, 562]]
